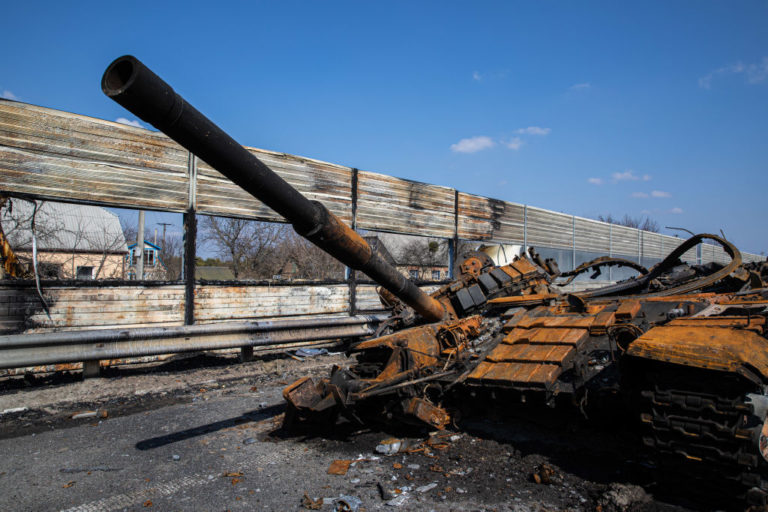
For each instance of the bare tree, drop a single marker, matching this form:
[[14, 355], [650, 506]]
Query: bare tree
[[306, 260], [642, 223], [244, 243], [423, 253], [171, 256]]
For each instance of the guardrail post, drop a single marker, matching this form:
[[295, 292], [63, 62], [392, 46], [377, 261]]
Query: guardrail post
[[91, 369], [246, 354]]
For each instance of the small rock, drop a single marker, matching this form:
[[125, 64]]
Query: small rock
[[622, 496], [413, 466], [249, 440], [175, 457], [459, 490]]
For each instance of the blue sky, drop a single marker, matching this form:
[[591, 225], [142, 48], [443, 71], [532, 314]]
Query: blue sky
[[652, 108]]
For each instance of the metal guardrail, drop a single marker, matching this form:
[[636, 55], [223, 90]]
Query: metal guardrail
[[22, 350]]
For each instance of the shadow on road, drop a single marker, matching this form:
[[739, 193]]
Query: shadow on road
[[174, 437]]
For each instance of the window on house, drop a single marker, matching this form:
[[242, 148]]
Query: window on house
[[49, 270], [84, 273], [435, 275], [414, 274], [149, 258]]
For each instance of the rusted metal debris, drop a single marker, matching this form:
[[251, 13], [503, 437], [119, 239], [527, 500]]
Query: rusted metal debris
[[684, 345]]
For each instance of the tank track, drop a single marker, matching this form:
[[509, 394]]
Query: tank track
[[698, 425]]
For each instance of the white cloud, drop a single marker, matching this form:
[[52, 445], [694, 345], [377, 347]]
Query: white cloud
[[628, 175], [595, 181], [476, 76], [533, 130], [9, 95], [646, 177], [472, 144], [754, 73], [676, 210], [514, 143], [581, 87], [639, 195], [660, 194], [129, 122]]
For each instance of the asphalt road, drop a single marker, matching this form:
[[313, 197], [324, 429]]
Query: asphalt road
[[217, 446]]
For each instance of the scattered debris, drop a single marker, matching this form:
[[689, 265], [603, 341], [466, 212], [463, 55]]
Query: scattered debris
[[347, 503], [390, 446], [175, 457], [543, 474], [339, 467], [249, 440], [398, 501], [310, 504], [84, 414], [624, 496], [311, 352], [383, 492], [68, 484], [147, 504], [14, 410], [426, 488]]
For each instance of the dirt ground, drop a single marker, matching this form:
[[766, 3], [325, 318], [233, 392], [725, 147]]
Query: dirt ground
[[533, 460]]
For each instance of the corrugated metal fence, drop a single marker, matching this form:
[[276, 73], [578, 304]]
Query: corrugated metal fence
[[54, 155]]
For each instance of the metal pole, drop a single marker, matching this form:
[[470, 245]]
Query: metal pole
[[190, 242], [351, 275], [453, 247], [140, 247], [525, 228], [573, 242]]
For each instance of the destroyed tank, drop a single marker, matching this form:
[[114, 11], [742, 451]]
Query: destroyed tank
[[682, 346]]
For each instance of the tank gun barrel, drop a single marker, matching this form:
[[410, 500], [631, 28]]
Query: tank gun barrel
[[134, 86]]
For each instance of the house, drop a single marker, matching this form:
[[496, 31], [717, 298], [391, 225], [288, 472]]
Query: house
[[154, 269], [73, 241], [418, 258]]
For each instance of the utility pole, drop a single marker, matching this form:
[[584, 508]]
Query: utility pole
[[140, 247], [164, 224]]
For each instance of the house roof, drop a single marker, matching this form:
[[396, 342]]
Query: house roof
[[62, 226], [147, 243]]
